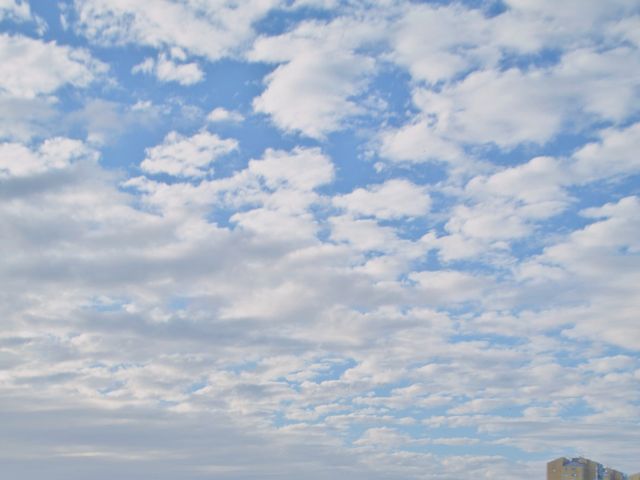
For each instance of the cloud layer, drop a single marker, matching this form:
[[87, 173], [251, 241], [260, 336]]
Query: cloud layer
[[380, 240]]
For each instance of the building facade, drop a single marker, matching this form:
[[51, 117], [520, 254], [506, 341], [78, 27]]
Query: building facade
[[611, 474], [583, 469]]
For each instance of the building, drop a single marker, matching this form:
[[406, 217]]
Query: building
[[611, 474], [583, 469], [574, 469]]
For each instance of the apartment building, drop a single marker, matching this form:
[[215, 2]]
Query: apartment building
[[611, 474], [581, 468]]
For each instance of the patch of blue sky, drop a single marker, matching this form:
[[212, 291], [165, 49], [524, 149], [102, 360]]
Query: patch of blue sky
[[613, 350], [573, 352], [604, 191], [490, 8], [576, 410], [386, 390], [544, 58], [11, 26], [345, 150], [495, 263], [333, 369], [391, 86], [196, 386], [279, 21], [456, 309], [112, 387], [560, 145], [178, 303], [428, 261]]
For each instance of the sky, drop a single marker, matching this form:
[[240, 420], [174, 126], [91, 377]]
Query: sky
[[319, 239]]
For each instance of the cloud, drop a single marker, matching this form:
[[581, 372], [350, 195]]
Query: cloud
[[15, 10], [166, 70], [310, 91], [16, 160], [445, 286], [302, 312], [615, 154], [599, 262], [424, 41], [479, 109], [166, 24], [304, 168], [186, 156], [393, 199], [539, 180], [104, 121], [315, 90], [467, 86], [418, 143], [220, 114], [363, 234], [36, 68], [24, 118]]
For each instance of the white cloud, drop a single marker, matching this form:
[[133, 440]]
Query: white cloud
[[32, 67], [393, 199], [627, 29], [24, 118], [186, 156], [443, 286], [539, 180], [303, 168], [14, 9], [436, 43], [445, 42], [283, 183], [166, 70], [615, 154], [311, 91], [599, 262], [220, 114], [363, 234], [488, 221], [505, 206], [279, 181], [479, 109], [16, 160], [103, 121], [418, 142], [209, 29]]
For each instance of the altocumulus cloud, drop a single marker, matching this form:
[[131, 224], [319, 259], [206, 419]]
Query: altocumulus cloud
[[363, 240]]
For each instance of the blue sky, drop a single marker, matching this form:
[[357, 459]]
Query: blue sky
[[319, 239]]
